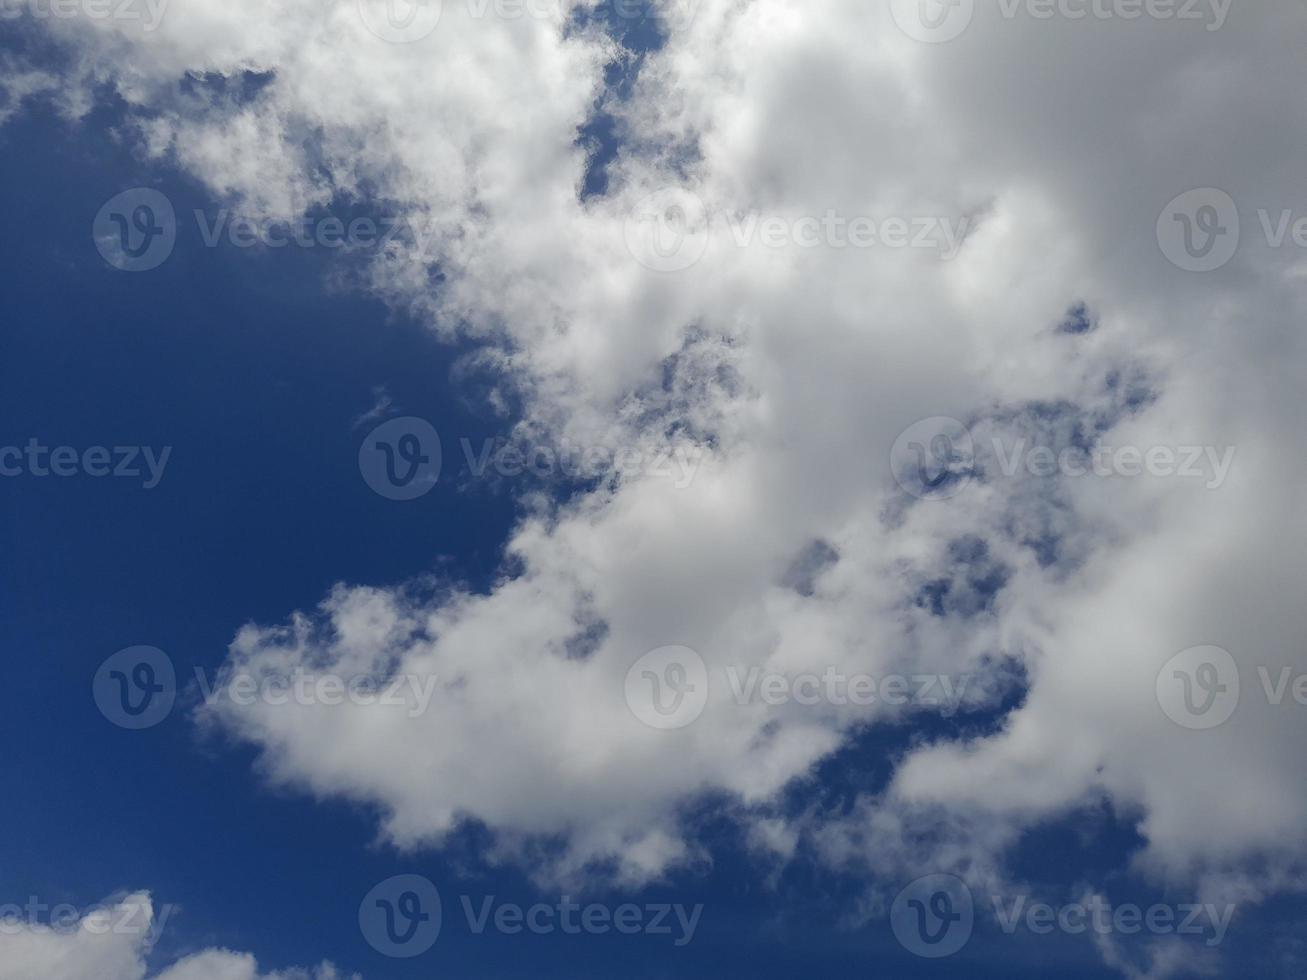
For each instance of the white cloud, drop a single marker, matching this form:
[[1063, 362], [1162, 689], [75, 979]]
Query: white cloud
[[113, 942]]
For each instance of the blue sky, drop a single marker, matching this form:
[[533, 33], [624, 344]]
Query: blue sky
[[264, 371]]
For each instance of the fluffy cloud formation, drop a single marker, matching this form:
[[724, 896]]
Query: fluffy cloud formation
[[1049, 146], [112, 943]]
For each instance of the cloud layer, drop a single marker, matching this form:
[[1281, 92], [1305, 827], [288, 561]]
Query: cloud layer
[[1051, 146]]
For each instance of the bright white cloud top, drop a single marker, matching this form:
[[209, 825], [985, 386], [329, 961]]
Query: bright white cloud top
[[1041, 154]]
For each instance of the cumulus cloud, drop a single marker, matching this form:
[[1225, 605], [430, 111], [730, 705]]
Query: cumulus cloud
[[113, 942], [1049, 147]]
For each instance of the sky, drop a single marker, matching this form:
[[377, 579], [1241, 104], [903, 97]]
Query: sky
[[659, 489]]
